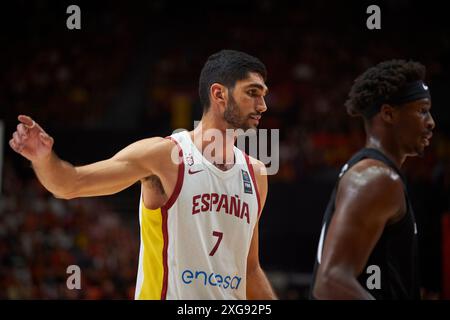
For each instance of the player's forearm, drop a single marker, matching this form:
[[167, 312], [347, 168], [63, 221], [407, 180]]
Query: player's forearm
[[258, 286], [339, 287], [56, 175]]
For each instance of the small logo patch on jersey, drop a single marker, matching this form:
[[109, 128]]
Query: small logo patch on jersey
[[189, 159], [247, 183]]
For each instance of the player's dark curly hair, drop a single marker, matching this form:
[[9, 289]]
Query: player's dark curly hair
[[381, 82], [226, 67]]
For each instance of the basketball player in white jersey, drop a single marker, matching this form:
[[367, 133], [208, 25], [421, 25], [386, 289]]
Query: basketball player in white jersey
[[198, 213]]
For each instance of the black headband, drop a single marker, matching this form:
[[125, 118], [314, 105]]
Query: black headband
[[410, 92]]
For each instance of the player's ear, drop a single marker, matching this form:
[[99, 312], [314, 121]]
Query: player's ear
[[388, 113], [218, 94]]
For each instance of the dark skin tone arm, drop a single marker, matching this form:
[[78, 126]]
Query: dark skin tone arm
[[369, 197]]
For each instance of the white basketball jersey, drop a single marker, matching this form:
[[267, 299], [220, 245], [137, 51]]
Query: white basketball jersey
[[196, 246]]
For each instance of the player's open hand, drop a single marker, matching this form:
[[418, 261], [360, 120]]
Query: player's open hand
[[30, 140]]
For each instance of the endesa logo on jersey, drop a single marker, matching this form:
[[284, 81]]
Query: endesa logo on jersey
[[191, 277]]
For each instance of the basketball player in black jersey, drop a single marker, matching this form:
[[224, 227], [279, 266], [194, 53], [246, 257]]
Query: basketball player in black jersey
[[367, 247]]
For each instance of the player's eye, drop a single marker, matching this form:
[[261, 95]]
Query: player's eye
[[252, 93]]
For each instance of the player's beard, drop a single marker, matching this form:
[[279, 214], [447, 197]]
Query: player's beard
[[233, 117]]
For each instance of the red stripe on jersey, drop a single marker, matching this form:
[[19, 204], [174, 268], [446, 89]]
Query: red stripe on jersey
[[252, 174], [164, 212]]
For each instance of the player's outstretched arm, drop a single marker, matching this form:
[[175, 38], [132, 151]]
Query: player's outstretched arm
[[66, 181]]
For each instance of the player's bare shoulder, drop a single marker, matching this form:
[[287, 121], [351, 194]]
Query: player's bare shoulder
[[162, 153], [158, 185], [259, 167], [370, 173], [260, 172], [372, 184]]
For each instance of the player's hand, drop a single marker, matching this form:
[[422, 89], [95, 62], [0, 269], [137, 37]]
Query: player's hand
[[30, 140]]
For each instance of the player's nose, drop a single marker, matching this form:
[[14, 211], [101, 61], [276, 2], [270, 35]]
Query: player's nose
[[261, 106], [430, 123]]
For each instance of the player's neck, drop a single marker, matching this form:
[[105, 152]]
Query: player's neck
[[215, 142], [387, 146]]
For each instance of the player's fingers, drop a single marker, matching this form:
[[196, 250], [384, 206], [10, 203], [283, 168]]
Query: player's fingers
[[26, 120], [13, 145], [17, 137], [22, 130], [17, 142], [46, 139]]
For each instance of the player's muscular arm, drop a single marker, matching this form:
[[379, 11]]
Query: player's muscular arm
[[369, 196], [258, 286], [110, 176], [64, 180]]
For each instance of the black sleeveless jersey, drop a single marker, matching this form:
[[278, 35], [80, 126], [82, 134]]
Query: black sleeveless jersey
[[394, 257]]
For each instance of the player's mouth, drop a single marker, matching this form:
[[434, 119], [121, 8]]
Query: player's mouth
[[426, 138], [255, 117]]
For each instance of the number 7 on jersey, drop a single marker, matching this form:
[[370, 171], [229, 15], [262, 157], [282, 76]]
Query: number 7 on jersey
[[219, 236]]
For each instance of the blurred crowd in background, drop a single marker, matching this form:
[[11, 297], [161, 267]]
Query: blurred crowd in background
[[40, 236], [132, 70]]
